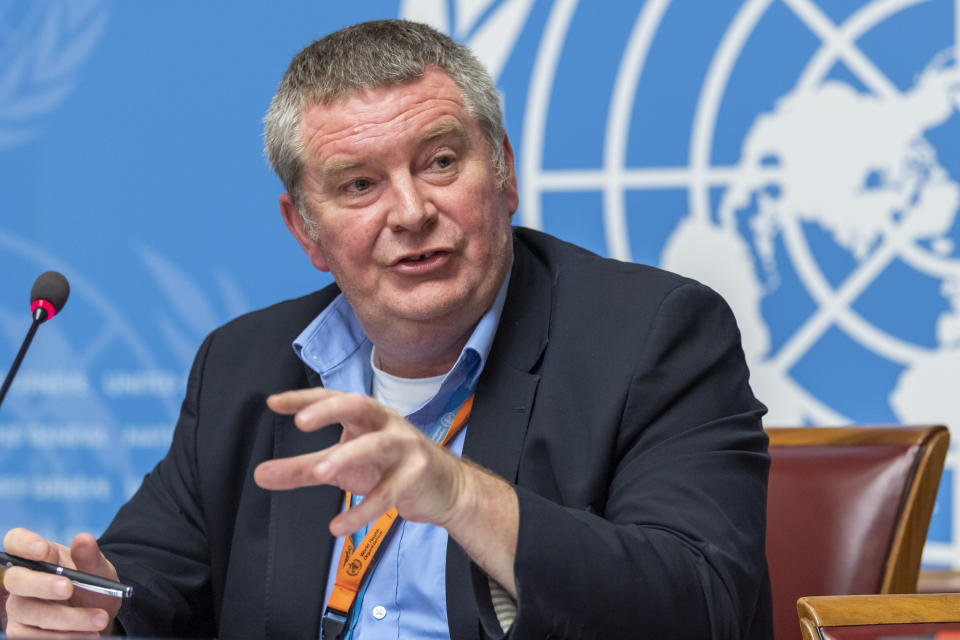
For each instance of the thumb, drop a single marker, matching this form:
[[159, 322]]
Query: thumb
[[87, 557]]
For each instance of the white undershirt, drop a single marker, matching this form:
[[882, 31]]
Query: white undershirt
[[403, 395]]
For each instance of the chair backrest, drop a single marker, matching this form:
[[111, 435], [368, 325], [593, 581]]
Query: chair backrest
[[878, 616], [847, 511]]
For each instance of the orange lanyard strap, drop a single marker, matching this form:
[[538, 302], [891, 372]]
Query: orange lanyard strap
[[355, 563]]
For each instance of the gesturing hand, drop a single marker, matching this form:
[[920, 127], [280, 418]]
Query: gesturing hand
[[380, 456], [47, 605]]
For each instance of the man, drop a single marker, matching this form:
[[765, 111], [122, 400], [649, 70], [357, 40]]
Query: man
[[613, 473]]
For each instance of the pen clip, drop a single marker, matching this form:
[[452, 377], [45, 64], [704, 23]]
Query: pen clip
[[107, 591]]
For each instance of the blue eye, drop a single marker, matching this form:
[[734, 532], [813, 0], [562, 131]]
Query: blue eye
[[360, 184]]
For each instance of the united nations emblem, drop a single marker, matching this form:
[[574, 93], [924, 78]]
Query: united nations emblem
[[42, 46], [353, 567], [798, 156]]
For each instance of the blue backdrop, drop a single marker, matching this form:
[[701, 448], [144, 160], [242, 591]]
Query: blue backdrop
[[800, 156]]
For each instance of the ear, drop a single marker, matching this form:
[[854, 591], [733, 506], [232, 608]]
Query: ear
[[510, 190], [296, 225]]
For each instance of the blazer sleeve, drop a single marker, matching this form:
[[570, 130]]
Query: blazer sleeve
[[676, 546], [158, 541]]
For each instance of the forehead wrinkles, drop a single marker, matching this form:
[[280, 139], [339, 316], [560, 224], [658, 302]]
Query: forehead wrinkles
[[376, 114]]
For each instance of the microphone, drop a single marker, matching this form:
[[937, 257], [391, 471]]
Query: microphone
[[49, 294], [47, 297]]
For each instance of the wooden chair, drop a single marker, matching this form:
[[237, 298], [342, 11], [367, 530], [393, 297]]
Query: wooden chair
[[847, 511], [879, 616]]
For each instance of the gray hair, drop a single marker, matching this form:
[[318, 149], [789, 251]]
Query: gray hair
[[372, 54]]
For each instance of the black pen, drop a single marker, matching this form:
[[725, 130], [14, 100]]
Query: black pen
[[83, 580]]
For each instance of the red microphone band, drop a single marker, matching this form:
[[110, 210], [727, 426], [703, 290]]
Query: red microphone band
[[46, 306]]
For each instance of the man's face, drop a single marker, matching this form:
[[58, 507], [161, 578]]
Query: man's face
[[409, 217]]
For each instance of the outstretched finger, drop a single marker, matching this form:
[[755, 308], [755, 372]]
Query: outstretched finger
[[289, 402], [355, 466], [289, 473], [316, 408], [357, 413]]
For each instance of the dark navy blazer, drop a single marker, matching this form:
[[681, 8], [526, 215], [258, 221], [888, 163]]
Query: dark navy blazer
[[615, 399]]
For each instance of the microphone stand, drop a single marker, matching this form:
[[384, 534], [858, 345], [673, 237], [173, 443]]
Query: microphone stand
[[39, 317]]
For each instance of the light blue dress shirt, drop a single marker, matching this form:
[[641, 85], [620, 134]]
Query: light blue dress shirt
[[406, 596]]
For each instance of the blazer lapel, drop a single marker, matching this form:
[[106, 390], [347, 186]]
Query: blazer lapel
[[300, 543], [501, 413], [509, 380]]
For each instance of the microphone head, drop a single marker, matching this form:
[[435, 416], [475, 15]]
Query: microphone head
[[49, 293]]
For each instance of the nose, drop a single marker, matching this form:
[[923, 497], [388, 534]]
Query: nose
[[411, 210]]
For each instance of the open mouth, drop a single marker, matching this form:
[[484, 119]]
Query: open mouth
[[420, 258]]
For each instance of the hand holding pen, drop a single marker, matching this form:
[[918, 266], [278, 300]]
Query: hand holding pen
[[44, 601]]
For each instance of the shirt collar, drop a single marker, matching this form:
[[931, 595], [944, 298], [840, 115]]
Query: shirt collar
[[336, 347]]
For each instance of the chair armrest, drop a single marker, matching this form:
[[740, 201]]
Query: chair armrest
[[888, 608]]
